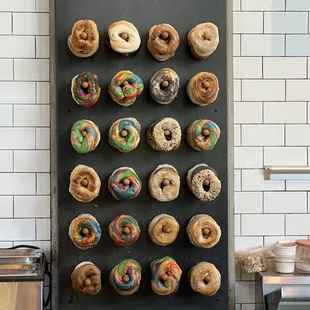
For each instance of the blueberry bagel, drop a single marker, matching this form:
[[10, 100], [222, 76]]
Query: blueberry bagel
[[164, 86]]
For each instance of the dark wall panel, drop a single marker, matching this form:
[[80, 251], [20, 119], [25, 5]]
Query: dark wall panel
[[183, 15]]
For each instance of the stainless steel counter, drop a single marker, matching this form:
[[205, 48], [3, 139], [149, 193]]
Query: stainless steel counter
[[283, 291]]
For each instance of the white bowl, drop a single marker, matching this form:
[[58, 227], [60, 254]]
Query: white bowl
[[282, 248]]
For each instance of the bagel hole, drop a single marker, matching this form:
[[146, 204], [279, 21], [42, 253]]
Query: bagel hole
[[206, 232], [166, 229], [206, 133], [85, 231], [84, 35], [165, 36], [206, 185], [126, 230], [87, 282], [124, 133], [125, 83], [84, 182], [164, 85], [84, 87], [205, 281], [124, 36], [168, 135], [126, 278], [206, 85], [206, 37], [126, 182], [164, 183]]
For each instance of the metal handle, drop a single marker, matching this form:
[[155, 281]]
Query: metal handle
[[287, 172]]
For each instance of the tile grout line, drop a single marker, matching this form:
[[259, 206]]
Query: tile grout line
[[12, 22], [35, 227], [263, 22]]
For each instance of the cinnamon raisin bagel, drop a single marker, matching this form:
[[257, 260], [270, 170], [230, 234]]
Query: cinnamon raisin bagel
[[203, 88], [84, 38], [163, 41], [84, 183], [86, 279]]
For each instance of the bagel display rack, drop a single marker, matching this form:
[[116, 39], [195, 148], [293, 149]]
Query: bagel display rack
[[105, 158]]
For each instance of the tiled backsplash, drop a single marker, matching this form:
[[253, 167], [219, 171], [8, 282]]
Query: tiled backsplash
[[24, 123], [272, 124]]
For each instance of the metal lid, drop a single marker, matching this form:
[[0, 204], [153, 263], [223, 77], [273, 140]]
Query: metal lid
[[305, 243], [22, 265]]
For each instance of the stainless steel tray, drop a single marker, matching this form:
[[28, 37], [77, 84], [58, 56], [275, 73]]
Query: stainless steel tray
[[22, 265]]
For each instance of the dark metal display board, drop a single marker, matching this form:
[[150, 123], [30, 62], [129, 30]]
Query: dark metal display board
[[183, 15]]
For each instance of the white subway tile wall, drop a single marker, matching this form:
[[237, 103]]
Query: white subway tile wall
[[272, 125], [272, 113], [25, 124]]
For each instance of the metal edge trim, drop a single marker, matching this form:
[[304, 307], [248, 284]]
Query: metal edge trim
[[230, 155], [54, 190]]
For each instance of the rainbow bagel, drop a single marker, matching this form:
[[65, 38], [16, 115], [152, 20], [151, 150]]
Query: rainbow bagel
[[125, 87], [85, 231], [166, 275], [202, 135], [124, 230], [124, 184], [85, 136], [124, 134], [85, 89], [125, 277]]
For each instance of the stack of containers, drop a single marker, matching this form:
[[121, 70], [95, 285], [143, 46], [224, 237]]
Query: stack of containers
[[285, 256]]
